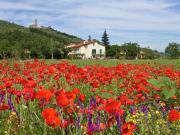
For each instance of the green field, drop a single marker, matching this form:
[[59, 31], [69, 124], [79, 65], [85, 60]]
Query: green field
[[114, 62]]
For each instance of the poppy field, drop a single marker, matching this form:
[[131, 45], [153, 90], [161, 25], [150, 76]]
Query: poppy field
[[62, 98]]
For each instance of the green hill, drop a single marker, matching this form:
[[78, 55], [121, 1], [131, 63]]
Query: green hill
[[8, 27], [21, 42]]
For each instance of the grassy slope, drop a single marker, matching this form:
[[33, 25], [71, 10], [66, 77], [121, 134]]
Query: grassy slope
[[9, 27], [61, 34]]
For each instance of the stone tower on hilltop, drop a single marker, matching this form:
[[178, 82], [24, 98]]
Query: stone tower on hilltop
[[35, 25]]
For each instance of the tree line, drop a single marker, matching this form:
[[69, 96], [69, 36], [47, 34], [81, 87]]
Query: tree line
[[134, 51]]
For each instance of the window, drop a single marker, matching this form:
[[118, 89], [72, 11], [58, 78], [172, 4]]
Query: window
[[76, 50], [93, 51], [100, 51]]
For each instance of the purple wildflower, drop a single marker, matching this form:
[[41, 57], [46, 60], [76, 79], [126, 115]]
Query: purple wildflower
[[118, 119], [80, 104], [78, 122], [144, 109], [98, 121], [132, 110], [90, 124], [2, 98], [11, 104], [92, 102]]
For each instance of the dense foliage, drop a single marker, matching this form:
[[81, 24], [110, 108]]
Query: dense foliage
[[132, 51], [20, 42], [41, 99], [173, 50]]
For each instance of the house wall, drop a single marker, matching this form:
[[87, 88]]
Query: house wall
[[87, 50]]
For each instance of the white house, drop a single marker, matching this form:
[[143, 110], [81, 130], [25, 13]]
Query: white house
[[88, 49]]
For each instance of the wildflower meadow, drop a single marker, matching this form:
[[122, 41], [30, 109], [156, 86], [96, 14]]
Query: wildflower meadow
[[62, 98]]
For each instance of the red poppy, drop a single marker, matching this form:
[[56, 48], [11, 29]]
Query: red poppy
[[123, 99], [156, 96], [4, 106], [28, 93], [173, 115], [94, 90], [111, 121], [98, 99], [174, 97], [76, 91], [112, 106], [103, 90], [128, 128], [120, 112], [51, 69], [70, 95], [44, 95], [102, 126], [49, 112], [64, 123], [62, 100], [30, 84], [53, 121], [82, 97], [95, 84]]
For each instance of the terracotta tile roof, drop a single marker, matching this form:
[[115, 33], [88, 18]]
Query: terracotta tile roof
[[83, 43]]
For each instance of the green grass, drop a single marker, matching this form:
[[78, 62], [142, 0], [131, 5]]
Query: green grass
[[114, 62]]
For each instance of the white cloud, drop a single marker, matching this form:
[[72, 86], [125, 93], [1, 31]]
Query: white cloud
[[18, 6], [149, 21]]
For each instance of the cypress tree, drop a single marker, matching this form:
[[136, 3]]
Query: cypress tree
[[105, 40]]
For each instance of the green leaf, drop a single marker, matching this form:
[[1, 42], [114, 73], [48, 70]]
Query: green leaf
[[164, 79], [155, 82], [169, 93]]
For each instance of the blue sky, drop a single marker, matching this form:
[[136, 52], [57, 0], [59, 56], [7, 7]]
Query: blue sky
[[152, 23]]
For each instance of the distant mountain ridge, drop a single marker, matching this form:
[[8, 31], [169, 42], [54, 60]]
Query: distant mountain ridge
[[38, 41]]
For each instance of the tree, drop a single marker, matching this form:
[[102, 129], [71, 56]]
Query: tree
[[112, 51], [105, 40], [132, 50], [4, 48], [173, 50], [89, 38], [16, 50], [147, 53]]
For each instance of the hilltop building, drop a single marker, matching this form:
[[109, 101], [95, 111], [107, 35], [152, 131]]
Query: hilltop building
[[35, 25]]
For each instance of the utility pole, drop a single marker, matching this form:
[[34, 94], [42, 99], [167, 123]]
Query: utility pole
[[52, 50], [137, 53]]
